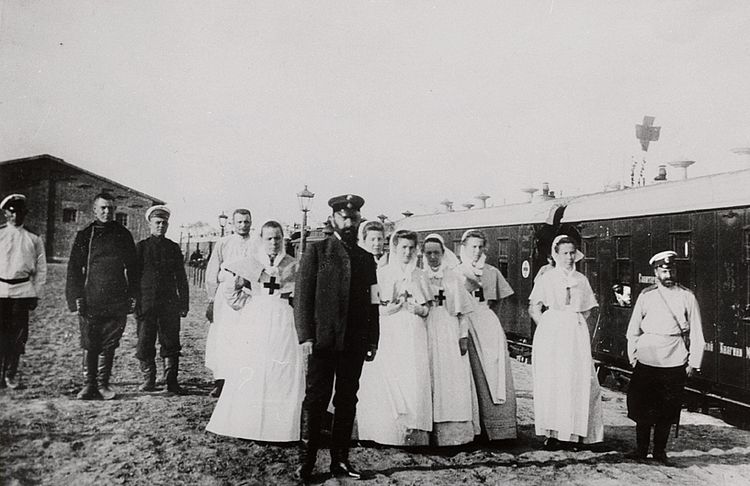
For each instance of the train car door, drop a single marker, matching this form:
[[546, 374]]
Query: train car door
[[732, 262]]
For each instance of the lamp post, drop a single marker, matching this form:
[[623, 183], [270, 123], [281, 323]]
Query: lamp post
[[382, 218], [223, 222], [305, 201]]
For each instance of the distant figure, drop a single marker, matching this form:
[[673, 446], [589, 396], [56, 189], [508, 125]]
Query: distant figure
[[220, 345], [567, 397], [163, 298], [101, 287], [336, 315], [488, 346], [196, 258], [665, 346], [23, 273], [262, 395]]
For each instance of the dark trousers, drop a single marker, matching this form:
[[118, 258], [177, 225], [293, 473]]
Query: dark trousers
[[14, 332], [162, 323], [101, 334], [323, 365]]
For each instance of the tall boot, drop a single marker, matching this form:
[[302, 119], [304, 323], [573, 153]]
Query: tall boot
[[642, 438], [218, 386], [661, 434], [171, 367], [343, 421], [106, 360], [148, 371], [90, 364], [11, 370], [308, 451]]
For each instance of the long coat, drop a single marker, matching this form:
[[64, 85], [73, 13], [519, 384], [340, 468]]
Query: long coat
[[163, 283], [102, 269], [333, 303]]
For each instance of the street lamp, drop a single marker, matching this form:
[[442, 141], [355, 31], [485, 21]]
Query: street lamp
[[305, 201], [223, 222], [382, 218]]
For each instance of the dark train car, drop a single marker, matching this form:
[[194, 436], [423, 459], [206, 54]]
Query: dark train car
[[706, 220]]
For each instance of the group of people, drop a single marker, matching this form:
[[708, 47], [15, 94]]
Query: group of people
[[414, 354]]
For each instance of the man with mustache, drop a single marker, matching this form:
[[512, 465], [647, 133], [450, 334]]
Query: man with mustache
[[336, 316], [665, 347]]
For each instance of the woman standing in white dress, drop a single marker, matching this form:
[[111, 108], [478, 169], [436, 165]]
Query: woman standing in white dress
[[567, 397], [262, 396], [454, 405], [395, 403], [488, 347]]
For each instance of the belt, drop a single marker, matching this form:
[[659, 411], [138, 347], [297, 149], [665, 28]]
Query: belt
[[13, 281]]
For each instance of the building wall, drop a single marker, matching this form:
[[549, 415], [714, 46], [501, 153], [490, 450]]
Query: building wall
[[33, 185]]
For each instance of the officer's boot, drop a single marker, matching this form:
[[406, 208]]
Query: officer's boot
[[308, 451], [90, 390], [343, 421], [661, 435], [11, 371], [642, 438], [106, 360], [171, 367], [148, 371]]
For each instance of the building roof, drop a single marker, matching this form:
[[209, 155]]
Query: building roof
[[62, 162]]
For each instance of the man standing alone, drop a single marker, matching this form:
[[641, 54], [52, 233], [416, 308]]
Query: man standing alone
[[336, 315], [162, 300], [101, 287], [23, 273]]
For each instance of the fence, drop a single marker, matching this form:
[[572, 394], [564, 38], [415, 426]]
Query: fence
[[196, 273]]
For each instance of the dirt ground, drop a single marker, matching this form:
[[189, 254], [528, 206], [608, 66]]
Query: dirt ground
[[48, 437]]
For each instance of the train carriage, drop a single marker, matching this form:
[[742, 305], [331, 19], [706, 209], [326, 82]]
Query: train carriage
[[706, 220]]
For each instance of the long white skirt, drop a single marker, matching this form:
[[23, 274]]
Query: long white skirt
[[262, 396], [567, 397], [222, 352], [394, 398]]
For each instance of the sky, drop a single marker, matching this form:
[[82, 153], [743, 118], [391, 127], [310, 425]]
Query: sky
[[216, 105]]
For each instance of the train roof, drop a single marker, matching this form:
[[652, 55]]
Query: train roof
[[725, 190]]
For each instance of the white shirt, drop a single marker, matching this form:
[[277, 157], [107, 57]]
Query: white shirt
[[21, 255]]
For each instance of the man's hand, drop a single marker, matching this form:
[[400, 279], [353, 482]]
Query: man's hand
[[80, 306], [690, 371], [370, 355], [463, 345], [307, 348], [131, 305], [33, 302], [210, 311]]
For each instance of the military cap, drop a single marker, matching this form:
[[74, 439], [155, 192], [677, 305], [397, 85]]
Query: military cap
[[158, 210], [351, 202], [14, 202], [663, 259]]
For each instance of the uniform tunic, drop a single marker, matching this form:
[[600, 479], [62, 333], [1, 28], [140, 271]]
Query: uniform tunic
[[488, 352], [567, 396], [22, 258], [656, 347], [220, 343], [262, 395], [454, 403], [395, 405]]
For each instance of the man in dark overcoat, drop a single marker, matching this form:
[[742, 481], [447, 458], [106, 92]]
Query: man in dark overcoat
[[336, 315], [101, 287], [163, 298]]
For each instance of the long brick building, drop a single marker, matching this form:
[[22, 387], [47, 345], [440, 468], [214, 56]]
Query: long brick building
[[60, 200]]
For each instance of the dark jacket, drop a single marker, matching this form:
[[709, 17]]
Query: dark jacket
[[102, 270], [332, 301], [163, 282]]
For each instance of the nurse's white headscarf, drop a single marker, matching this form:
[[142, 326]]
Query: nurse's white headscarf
[[449, 259], [553, 253]]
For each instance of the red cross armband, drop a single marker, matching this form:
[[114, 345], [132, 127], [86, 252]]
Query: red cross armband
[[375, 294]]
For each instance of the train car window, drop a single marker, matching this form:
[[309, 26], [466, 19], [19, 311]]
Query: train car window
[[682, 245], [589, 247], [622, 285], [747, 273], [503, 244]]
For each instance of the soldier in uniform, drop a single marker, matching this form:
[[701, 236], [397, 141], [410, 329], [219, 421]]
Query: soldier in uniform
[[162, 301], [101, 287], [665, 347], [336, 316], [23, 273]]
